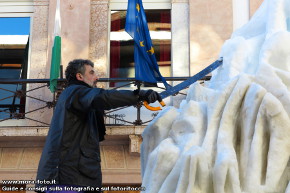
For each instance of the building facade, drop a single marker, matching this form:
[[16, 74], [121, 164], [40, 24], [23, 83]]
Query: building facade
[[197, 30]]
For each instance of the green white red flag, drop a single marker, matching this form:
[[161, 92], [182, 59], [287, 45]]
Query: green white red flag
[[56, 51]]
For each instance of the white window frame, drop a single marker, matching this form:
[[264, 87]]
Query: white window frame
[[122, 5], [17, 8]]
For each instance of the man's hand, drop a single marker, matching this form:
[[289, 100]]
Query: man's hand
[[149, 95]]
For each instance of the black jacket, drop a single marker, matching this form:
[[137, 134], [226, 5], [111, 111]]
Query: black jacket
[[71, 155]]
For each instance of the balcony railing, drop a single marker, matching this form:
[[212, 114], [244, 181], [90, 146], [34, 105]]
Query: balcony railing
[[13, 101]]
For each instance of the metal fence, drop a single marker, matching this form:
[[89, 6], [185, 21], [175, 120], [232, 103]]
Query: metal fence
[[15, 93]]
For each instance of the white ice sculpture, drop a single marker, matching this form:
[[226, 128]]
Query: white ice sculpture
[[231, 135]]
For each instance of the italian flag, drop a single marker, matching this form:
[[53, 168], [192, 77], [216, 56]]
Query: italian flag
[[56, 51]]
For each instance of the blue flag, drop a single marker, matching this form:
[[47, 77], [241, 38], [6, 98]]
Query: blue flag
[[146, 67]]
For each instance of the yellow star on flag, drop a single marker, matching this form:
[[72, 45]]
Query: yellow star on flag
[[138, 7], [141, 43], [151, 50]]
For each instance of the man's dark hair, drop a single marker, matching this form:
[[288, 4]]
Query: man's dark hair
[[76, 66]]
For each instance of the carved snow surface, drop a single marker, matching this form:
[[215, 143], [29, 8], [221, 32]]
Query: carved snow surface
[[231, 135]]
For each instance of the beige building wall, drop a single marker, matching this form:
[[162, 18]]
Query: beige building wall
[[19, 157], [99, 37], [210, 24], [254, 5]]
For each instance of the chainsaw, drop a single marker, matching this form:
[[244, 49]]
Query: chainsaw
[[175, 89]]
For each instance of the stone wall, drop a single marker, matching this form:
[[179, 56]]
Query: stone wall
[[99, 26], [20, 151]]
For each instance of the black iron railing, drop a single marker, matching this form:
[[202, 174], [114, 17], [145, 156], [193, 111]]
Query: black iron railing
[[16, 110]]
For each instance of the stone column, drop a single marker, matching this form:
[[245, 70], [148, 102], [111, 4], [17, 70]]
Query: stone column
[[37, 66], [135, 144], [180, 38], [241, 13], [38, 40], [180, 43], [99, 38]]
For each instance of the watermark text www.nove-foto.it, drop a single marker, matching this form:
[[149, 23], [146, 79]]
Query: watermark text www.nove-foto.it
[[28, 182], [20, 185]]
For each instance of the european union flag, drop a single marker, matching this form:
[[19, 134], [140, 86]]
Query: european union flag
[[146, 67]]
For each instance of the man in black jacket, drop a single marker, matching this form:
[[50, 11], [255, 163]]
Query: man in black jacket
[[71, 156]]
